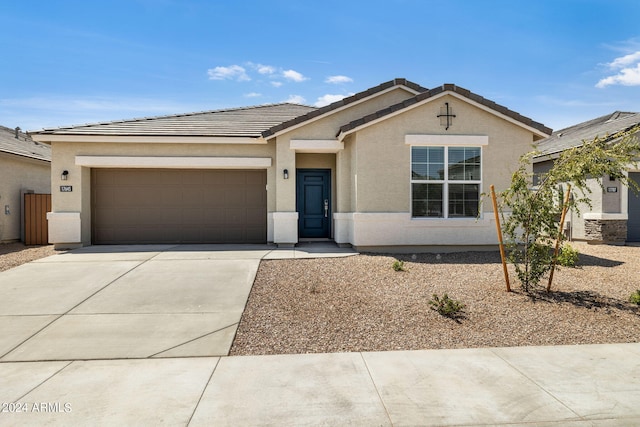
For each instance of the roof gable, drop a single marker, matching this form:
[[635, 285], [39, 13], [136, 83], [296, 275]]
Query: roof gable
[[23, 145], [344, 102], [432, 94], [573, 136]]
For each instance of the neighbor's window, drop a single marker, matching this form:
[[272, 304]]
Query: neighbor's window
[[445, 181]]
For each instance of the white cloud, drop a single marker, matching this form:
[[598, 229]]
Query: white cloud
[[328, 99], [623, 61], [261, 68], [276, 84], [295, 99], [293, 76], [628, 71], [233, 72], [252, 95], [338, 79]]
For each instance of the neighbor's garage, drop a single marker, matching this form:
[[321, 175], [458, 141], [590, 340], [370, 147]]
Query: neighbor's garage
[[178, 206]]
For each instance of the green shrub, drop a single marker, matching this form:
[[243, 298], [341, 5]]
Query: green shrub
[[446, 306], [635, 297], [398, 265], [568, 256]]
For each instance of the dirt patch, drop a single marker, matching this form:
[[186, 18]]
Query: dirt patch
[[15, 254], [360, 303]]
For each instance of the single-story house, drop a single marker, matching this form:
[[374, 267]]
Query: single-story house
[[614, 216], [25, 167], [397, 165]]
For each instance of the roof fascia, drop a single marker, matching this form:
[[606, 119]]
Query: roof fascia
[[344, 107], [23, 157], [140, 139], [535, 131]]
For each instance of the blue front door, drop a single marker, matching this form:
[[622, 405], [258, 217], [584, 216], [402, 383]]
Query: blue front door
[[314, 203]]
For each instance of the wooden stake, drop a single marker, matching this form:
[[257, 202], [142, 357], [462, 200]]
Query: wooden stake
[[499, 230], [565, 206]]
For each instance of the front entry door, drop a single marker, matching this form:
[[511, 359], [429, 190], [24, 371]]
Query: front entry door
[[314, 203]]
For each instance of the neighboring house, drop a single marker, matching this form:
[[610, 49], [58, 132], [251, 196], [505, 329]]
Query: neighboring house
[[615, 213], [25, 166], [397, 165]]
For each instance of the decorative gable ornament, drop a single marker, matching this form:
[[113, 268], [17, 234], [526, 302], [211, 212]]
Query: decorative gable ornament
[[446, 116]]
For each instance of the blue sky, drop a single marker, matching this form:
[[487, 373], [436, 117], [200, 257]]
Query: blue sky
[[559, 62]]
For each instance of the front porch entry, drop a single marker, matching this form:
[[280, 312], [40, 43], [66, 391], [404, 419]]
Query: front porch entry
[[313, 203]]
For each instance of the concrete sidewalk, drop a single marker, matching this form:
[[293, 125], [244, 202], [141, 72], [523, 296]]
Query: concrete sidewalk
[[591, 385]]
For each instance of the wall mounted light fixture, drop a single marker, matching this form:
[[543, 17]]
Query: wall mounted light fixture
[[285, 173], [65, 175]]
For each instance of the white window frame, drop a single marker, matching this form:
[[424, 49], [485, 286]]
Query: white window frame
[[446, 141]]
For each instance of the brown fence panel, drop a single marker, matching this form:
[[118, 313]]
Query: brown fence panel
[[36, 206]]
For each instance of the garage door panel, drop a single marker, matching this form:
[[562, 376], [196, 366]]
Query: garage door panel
[[235, 197], [175, 206], [253, 215], [192, 196], [213, 196]]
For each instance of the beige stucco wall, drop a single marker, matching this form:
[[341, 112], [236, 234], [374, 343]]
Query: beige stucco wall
[[381, 149], [18, 174], [79, 200]]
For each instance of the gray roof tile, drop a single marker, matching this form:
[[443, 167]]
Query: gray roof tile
[[23, 146], [235, 122], [575, 135]]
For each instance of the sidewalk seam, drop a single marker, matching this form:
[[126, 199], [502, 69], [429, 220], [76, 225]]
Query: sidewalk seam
[[376, 389], [581, 418], [203, 391], [44, 381]]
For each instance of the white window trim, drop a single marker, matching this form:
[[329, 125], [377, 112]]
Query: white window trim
[[445, 184], [447, 140]]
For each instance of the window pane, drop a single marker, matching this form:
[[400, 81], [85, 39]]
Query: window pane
[[464, 200], [427, 200], [464, 163], [427, 163]]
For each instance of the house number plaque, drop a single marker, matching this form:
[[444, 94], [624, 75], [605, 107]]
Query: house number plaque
[[66, 188]]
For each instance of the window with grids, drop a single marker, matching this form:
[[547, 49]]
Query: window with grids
[[445, 181]]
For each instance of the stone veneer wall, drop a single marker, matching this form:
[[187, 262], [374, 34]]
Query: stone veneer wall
[[605, 230]]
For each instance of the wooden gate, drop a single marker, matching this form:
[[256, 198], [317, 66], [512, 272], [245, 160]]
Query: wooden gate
[[36, 206]]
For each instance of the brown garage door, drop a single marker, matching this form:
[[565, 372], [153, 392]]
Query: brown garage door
[[178, 206]]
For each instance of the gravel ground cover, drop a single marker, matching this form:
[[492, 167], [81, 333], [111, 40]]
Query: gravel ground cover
[[15, 254], [360, 303]]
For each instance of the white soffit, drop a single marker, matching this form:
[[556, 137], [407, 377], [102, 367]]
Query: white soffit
[[316, 145], [465, 140], [174, 162]]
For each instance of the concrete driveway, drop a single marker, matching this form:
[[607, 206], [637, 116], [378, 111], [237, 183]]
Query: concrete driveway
[[121, 302]]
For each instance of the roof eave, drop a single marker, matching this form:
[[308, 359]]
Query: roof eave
[[48, 138]]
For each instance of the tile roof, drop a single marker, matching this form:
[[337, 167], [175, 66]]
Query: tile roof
[[575, 135], [235, 122], [438, 90], [344, 101], [23, 146]]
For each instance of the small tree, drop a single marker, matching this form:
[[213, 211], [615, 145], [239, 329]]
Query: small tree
[[531, 225]]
